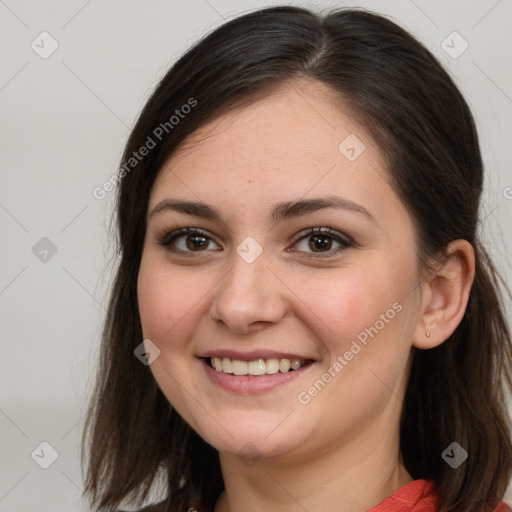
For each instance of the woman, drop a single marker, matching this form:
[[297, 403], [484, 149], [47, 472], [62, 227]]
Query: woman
[[303, 317]]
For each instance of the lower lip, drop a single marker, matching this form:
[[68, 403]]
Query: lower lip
[[250, 384]]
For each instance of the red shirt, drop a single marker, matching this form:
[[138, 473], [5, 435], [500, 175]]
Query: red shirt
[[417, 496]]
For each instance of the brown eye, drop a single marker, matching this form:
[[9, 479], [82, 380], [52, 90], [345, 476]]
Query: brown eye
[[186, 240], [194, 242], [320, 241]]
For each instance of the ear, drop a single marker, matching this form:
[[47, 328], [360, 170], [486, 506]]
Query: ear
[[445, 295]]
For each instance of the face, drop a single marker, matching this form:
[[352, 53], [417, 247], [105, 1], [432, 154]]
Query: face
[[300, 253]]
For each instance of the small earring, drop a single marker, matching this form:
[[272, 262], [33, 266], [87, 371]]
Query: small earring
[[427, 334]]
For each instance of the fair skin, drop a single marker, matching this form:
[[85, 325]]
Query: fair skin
[[339, 450]]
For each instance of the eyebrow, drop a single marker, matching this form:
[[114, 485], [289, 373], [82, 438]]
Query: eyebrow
[[280, 211]]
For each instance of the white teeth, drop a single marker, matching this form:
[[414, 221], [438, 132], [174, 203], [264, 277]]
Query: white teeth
[[284, 365], [239, 367], [256, 367], [226, 365], [295, 364], [272, 366]]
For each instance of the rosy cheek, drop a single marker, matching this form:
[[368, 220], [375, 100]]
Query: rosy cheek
[[156, 304], [167, 305], [345, 305]]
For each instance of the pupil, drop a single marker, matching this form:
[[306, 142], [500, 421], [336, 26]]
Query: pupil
[[195, 244], [319, 244]]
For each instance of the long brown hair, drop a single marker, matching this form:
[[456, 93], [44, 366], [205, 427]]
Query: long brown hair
[[425, 130]]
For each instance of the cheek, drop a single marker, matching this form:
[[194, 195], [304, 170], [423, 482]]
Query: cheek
[[166, 302], [361, 319], [168, 307], [343, 305]]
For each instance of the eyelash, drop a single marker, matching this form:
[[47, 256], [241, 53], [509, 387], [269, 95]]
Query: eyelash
[[167, 239]]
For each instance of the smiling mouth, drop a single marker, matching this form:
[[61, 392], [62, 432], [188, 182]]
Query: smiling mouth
[[257, 367]]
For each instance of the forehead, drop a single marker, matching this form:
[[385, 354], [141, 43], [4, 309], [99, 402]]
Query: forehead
[[294, 140]]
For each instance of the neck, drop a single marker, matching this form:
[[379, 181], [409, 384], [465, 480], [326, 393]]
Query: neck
[[353, 476]]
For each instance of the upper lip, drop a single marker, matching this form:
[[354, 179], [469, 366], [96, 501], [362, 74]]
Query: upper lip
[[253, 355]]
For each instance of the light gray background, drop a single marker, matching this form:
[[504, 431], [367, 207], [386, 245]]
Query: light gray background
[[64, 122]]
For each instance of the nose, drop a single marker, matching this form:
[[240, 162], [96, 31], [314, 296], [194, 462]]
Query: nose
[[249, 297]]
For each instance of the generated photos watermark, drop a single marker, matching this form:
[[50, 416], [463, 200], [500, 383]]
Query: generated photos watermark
[[151, 142], [342, 360]]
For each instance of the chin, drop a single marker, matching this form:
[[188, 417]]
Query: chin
[[249, 439]]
